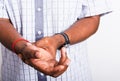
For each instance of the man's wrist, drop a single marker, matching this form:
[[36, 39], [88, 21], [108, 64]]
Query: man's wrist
[[59, 40], [63, 40], [19, 45]]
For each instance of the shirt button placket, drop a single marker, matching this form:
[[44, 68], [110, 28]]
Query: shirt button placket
[[39, 19]]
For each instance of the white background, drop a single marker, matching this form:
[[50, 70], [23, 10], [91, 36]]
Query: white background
[[104, 48]]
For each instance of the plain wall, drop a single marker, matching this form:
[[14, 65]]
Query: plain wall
[[104, 48]]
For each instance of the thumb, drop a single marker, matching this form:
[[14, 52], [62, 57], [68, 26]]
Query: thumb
[[63, 55], [64, 60]]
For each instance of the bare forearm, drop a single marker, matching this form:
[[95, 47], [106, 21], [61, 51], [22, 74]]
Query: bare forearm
[[7, 33], [80, 30]]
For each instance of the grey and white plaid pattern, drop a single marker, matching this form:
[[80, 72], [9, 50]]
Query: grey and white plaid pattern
[[58, 16]]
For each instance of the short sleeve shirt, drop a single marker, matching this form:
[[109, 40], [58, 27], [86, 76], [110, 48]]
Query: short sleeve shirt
[[58, 15]]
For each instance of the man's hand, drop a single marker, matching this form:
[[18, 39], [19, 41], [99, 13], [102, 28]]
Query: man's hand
[[44, 61], [48, 65], [51, 43]]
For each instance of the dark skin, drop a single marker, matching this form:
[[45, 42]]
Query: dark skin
[[32, 55], [45, 62], [79, 31]]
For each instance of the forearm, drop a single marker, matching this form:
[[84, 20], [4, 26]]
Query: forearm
[[80, 30], [8, 34]]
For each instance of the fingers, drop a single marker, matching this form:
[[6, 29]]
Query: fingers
[[42, 66], [23, 59], [38, 64], [29, 51], [44, 62], [62, 65], [60, 69]]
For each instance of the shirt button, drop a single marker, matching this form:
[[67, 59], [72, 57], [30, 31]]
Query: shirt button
[[39, 32], [38, 9], [42, 74]]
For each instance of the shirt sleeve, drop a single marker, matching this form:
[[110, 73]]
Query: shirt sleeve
[[3, 11], [95, 7]]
